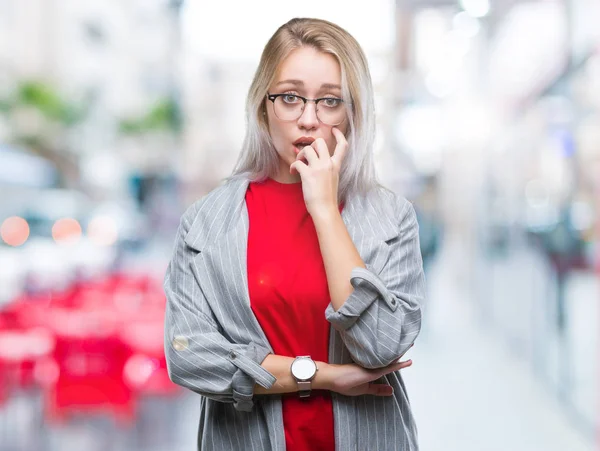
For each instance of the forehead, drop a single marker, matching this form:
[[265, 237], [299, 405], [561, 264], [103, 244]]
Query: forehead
[[310, 66]]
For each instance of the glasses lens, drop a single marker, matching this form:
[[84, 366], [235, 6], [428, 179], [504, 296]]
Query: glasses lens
[[329, 111], [288, 107]]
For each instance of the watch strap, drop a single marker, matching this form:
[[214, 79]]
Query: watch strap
[[304, 389]]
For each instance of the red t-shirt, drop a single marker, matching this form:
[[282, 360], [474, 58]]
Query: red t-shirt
[[289, 294]]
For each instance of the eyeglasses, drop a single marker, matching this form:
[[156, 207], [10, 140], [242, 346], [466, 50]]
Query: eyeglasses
[[289, 107]]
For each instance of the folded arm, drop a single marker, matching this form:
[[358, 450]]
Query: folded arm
[[380, 316]]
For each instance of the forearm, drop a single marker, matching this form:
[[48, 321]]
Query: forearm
[[339, 253], [279, 366]]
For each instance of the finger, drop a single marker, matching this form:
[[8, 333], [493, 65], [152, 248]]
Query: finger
[[310, 154], [302, 157], [405, 363], [321, 148], [380, 390], [298, 167], [394, 367], [341, 147]]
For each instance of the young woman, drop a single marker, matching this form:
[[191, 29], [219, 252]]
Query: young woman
[[296, 285]]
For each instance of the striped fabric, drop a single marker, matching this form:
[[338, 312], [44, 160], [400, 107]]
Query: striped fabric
[[214, 344]]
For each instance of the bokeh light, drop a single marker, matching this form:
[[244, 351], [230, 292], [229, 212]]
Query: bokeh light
[[14, 231], [66, 230], [102, 230]]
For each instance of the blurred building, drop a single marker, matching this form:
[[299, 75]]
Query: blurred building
[[213, 101], [506, 121], [113, 61]]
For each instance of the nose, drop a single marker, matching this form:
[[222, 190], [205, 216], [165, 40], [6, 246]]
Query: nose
[[308, 119]]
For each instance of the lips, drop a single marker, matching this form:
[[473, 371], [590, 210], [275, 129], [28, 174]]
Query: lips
[[306, 140], [301, 143]]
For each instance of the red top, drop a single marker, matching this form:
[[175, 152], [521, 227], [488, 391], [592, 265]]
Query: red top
[[289, 294]]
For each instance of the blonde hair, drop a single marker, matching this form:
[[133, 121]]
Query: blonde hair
[[258, 158]]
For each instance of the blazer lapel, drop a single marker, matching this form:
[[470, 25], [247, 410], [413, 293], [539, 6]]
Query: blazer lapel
[[220, 233]]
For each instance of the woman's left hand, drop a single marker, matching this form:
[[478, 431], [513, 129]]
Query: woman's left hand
[[320, 177]]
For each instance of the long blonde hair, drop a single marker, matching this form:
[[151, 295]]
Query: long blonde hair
[[258, 158]]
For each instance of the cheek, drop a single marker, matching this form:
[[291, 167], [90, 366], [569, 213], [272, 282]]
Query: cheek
[[331, 143], [278, 134], [274, 128]]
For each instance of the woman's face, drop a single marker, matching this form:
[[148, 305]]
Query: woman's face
[[309, 73]]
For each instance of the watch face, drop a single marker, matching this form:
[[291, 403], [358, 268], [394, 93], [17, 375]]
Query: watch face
[[304, 369]]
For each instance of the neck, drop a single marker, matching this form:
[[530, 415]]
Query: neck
[[286, 177]]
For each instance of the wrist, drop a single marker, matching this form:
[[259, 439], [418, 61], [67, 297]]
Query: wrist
[[325, 376], [324, 214]]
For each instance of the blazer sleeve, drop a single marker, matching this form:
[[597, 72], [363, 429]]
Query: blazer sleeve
[[382, 316], [198, 356]]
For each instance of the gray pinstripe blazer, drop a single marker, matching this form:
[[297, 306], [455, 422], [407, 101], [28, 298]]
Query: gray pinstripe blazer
[[214, 345]]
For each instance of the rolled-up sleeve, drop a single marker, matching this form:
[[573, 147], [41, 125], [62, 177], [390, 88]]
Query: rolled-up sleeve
[[382, 316], [198, 356]]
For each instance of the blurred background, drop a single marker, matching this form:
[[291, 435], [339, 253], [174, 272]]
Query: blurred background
[[115, 115]]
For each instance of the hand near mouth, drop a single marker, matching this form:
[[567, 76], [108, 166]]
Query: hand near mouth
[[319, 172]]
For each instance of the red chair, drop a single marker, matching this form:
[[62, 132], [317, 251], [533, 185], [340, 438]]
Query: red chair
[[90, 359], [21, 349], [3, 372]]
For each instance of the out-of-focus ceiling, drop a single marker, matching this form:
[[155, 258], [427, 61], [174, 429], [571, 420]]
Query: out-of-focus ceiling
[[498, 8]]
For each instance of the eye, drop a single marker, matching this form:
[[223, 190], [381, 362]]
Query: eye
[[290, 98], [331, 102]]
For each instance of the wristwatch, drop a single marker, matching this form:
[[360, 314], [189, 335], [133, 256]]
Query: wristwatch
[[304, 369]]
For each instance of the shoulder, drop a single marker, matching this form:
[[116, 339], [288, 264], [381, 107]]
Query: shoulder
[[213, 201], [392, 205]]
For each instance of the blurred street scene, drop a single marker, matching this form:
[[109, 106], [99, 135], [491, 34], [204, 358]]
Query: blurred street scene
[[117, 115]]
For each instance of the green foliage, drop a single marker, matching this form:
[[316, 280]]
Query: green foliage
[[45, 99], [48, 102], [163, 116], [5, 106], [30, 141]]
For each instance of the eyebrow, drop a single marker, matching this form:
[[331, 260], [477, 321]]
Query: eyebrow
[[301, 83]]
